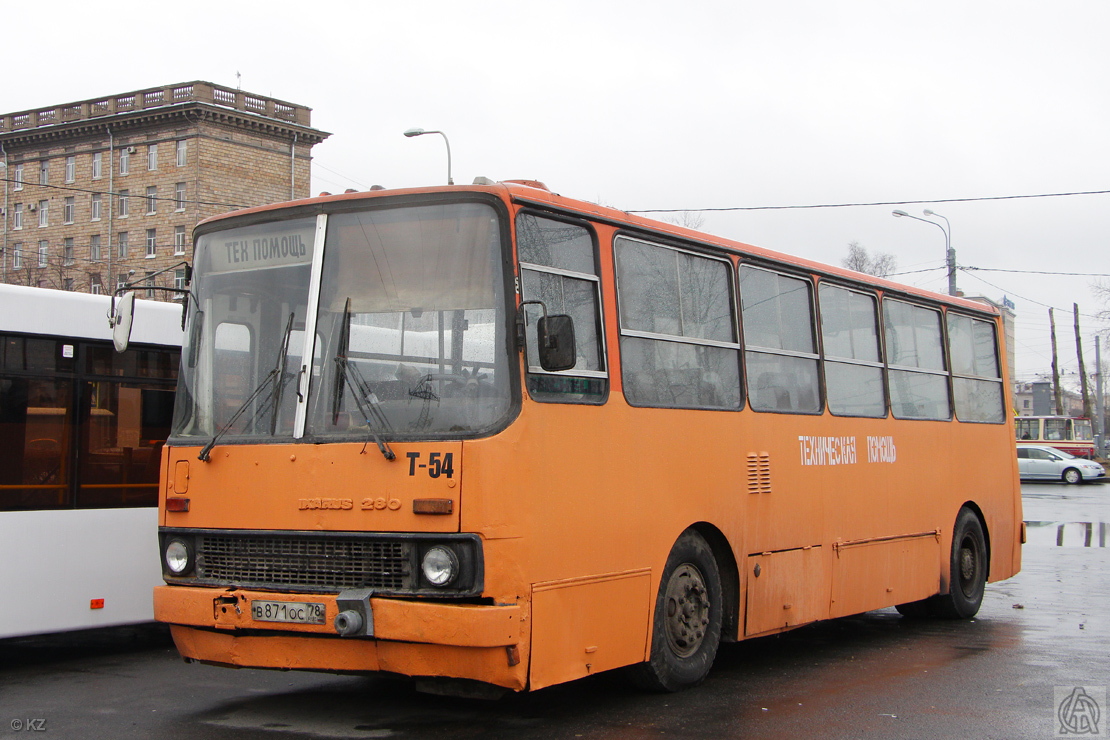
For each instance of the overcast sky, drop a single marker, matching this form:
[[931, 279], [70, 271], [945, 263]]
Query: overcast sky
[[696, 105]]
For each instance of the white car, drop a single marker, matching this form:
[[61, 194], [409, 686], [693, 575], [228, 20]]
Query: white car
[[1038, 462]]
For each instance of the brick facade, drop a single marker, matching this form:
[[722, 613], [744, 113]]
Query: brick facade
[[214, 150]]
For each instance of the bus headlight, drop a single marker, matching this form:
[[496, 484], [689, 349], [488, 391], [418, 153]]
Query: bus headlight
[[177, 556], [440, 566]]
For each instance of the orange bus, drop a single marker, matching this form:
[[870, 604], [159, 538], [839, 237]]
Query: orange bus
[[490, 437]]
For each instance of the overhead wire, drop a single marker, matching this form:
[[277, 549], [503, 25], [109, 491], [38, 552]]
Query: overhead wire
[[873, 203]]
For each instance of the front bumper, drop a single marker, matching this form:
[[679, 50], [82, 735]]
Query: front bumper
[[462, 625], [416, 638]]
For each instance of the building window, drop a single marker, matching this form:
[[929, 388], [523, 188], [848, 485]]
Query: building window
[[121, 245], [44, 250], [19, 177], [97, 165], [125, 161], [71, 168], [179, 278], [94, 247], [152, 200], [124, 197], [95, 286], [150, 282], [121, 281], [44, 210], [151, 242], [95, 206], [152, 157], [67, 251], [181, 153], [67, 210], [17, 255], [179, 196], [17, 218], [178, 240], [68, 284], [44, 172]]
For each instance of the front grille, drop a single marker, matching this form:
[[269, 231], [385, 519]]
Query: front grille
[[304, 562]]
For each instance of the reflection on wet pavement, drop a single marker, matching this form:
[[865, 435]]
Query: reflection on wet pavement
[[1068, 534]]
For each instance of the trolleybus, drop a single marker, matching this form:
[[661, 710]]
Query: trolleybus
[[81, 434], [1074, 436], [490, 436]]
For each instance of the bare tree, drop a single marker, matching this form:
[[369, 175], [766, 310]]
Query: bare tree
[[1101, 289], [687, 220], [879, 264]]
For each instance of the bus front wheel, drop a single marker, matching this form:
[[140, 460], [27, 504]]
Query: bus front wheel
[[686, 628]]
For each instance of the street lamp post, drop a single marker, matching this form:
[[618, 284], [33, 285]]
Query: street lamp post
[[949, 252], [420, 132], [1100, 408]]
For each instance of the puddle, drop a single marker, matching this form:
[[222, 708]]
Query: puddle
[[1068, 534]]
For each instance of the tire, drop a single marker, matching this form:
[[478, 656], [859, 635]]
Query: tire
[[1072, 476], [686, 628], [915, 609], [967, 573]]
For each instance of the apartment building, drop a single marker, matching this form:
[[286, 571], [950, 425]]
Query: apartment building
[[104, 192]]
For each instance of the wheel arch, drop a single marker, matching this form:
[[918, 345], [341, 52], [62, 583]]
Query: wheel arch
[[730, 578]]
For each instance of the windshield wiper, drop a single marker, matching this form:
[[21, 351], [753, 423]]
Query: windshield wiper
[[365, 397], [277, 374]]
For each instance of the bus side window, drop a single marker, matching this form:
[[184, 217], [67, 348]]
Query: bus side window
[[915, 356], [558, 266], [678, 328], [977, 376], [779, 342], [850, 335]]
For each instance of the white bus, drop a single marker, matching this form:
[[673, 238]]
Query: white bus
[[81, 434]]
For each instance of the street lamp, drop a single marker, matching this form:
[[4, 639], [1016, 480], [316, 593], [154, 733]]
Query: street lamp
[[420, 132], [949, 252], [1100, 408]]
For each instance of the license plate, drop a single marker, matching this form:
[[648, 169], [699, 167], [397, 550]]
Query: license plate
[[295, 612]]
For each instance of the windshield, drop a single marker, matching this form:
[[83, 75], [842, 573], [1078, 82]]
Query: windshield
[[411, 336], [242, 352], [411, 324]]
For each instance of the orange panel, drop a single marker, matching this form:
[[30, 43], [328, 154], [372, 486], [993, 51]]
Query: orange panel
[[877, 574], [587, 625], [791, 589], [335, 487]]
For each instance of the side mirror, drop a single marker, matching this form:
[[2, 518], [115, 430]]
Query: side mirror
[[556, 340], [122, 320]]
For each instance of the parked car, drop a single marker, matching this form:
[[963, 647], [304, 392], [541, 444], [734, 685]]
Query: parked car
[[1038, 462]]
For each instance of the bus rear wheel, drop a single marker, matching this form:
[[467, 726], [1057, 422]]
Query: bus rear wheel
[[686, 629]]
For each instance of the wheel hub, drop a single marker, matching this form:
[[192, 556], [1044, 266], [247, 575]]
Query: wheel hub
[[687, 614]]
